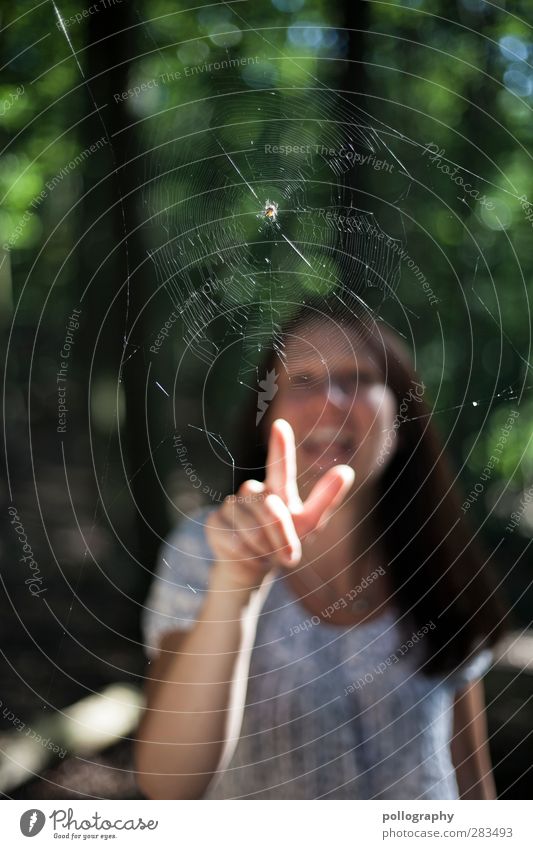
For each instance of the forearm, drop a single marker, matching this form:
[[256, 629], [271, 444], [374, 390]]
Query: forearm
[[182, 733], [469, 745], [479, 788], [474, 776]]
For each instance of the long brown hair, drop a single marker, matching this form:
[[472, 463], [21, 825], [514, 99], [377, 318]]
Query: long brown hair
[[438, 570]]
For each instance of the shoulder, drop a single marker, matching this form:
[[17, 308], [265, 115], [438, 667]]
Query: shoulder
[[180, 580], [472, 668]]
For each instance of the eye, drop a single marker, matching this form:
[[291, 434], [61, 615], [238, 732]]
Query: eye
[[300, 380], [364, 380], [308, 383], [351, 384]]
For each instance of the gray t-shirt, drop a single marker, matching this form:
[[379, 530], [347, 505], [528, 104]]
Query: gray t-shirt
[[319, 711]]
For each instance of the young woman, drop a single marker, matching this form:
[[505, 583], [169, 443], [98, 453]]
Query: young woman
[[322, 634]]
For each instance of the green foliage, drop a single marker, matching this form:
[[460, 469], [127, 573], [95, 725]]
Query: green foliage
[[435, 74]]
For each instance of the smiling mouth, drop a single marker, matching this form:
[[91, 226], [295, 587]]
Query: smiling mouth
[[329, 444]]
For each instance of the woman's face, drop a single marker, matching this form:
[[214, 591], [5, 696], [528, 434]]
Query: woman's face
[[334, 396]]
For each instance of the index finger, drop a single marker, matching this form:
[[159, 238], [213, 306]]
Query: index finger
[[281, 465]]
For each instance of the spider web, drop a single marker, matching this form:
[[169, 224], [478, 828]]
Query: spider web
[[222, 258], [225, 255]]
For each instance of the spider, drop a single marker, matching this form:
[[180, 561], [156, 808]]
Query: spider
[[270, 211]]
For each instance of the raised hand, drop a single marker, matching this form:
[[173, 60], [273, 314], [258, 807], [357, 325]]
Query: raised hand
[[325, 496], [264, 524]]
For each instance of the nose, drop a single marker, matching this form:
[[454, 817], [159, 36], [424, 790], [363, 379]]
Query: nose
[[337, 396]]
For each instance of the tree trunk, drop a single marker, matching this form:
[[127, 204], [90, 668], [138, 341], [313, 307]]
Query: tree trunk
[[112, 48]]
